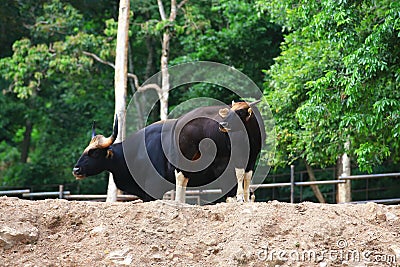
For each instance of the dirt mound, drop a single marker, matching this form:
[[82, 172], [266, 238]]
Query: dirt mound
[[160, 233]]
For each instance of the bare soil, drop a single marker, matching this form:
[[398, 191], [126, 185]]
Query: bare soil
[[161, 233]]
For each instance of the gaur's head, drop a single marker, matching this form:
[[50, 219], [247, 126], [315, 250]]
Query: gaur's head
[[94, 158], [241, 110]]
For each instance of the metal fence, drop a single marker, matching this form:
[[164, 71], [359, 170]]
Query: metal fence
[[295, 183], [373, 176], [196, 194], [62, 194], [292, 184]]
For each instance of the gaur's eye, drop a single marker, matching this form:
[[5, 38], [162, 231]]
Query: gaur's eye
[[94, 153], [242, 113]]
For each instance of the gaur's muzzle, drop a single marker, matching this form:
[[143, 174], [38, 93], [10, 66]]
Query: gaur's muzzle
[[76, 173]]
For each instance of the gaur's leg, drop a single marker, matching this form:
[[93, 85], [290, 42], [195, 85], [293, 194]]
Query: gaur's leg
[[246, 185], [181, 183], [240, 178]]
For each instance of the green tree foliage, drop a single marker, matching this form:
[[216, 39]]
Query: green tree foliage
[[336, 79], [49, 79], [52, 89], [229, 32]]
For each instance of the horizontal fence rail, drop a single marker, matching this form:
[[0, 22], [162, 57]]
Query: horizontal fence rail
[[198, 192], [100, 197], [14, 192], [26, 193], [368, 176], [193, 194], [46, 194], [255, 186], [379, 201]]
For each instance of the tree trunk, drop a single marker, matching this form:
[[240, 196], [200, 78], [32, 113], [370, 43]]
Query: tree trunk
[[164, 94], [138, 106], [150, 69], [27, 141], [314, 188], [121, 71], [344, 169]]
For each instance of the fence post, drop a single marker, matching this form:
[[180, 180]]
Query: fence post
[[344, 190], [61, 191], [291, 183]]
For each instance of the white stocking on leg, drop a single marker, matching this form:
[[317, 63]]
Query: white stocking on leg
[[240, 178], [181, 183], [246, 185]]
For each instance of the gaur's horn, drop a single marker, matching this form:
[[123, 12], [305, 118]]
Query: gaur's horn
[[106, 142], [115, 130], [94, 129]]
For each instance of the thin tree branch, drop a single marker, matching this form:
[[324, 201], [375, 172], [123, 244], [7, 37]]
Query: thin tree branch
[[11, 87], [35, 25], [314, 188], [161, 9], [181, 4], [130, 75], [172, 14], [150, 86], [96, 57]]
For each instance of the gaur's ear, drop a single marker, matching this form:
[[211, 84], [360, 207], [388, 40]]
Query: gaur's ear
[[110, 154], [223, 112]]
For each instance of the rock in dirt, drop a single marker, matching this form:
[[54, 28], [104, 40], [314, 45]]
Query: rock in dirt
[[17, 233]]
